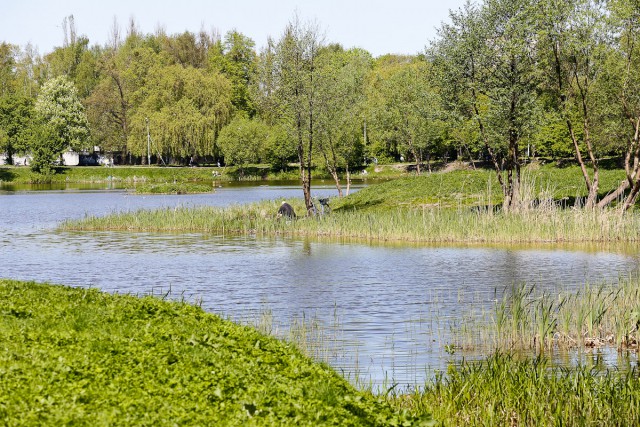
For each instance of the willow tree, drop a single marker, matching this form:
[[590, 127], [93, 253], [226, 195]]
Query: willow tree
[[486, 64], [121, 89], [296, 88], [186, 107]]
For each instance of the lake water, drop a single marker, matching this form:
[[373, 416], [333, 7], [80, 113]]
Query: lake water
[[382, 311]]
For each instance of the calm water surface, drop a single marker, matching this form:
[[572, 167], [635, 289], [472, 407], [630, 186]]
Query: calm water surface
[[384, 311]]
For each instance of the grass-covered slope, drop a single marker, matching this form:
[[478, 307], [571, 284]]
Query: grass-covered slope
[[464, 188], [73, 356]]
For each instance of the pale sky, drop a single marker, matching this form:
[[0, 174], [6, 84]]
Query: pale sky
[[379, 26]]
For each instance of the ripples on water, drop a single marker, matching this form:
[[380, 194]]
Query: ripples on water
[[384, 310]]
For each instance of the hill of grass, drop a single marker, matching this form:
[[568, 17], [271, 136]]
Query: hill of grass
[[72, 356], [459, 188]]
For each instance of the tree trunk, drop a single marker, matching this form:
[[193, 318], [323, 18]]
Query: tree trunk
[[331, 168], [633, 177], [485, 140], [415, 155], [348, 179]]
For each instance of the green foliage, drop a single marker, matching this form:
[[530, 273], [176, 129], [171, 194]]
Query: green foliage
[[406, 108], [58, 108], [280, 148], [80, 356], [240, 68], [16, 114], [186, 107], [8, 53], [342, 109], [44, 151], [243, 141]]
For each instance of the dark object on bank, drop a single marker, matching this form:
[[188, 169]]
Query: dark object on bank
[[286, 210]]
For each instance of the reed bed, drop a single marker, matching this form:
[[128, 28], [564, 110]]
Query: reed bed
[[525, 319], [503, 390], [428, 225]]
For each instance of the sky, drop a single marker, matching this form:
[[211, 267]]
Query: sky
[[379, 26]]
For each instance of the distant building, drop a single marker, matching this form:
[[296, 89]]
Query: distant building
[[69, 158]]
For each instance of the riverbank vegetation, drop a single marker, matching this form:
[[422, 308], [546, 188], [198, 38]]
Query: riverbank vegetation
[[80, 356], [504, 390], [172, 188], [459, 206], [161, 174], [525, 319]]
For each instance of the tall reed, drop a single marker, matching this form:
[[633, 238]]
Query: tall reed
[[524, 319], [428, 225], [505, 390]]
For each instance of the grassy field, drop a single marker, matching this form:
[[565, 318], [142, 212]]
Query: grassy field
[[82, 357]]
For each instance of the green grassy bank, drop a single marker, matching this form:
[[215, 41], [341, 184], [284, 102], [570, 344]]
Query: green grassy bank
[[125, 174], [74, 356], [442, 207], [83, 357]]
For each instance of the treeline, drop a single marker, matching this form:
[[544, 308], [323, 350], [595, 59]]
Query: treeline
[[502, 81]]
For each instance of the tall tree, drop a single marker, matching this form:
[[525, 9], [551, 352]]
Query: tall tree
[[240, 68], [123, 74], [8, 55], [573, 44], [487, 67], [16, 114], [340, 109], [242, 141], [406, 107], [296, 92], [621, 97], [60, 112]]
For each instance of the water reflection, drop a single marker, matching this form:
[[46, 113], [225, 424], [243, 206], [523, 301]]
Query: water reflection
[[385, 310]]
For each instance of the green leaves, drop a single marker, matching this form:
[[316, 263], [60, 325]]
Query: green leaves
[[79, 356], [60, 123], [243, 141]]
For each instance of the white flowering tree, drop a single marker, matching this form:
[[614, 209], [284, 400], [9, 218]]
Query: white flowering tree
[[61, 123]]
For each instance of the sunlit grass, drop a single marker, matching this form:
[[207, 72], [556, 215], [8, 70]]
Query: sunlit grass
[[72, 356], [172, 188]]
